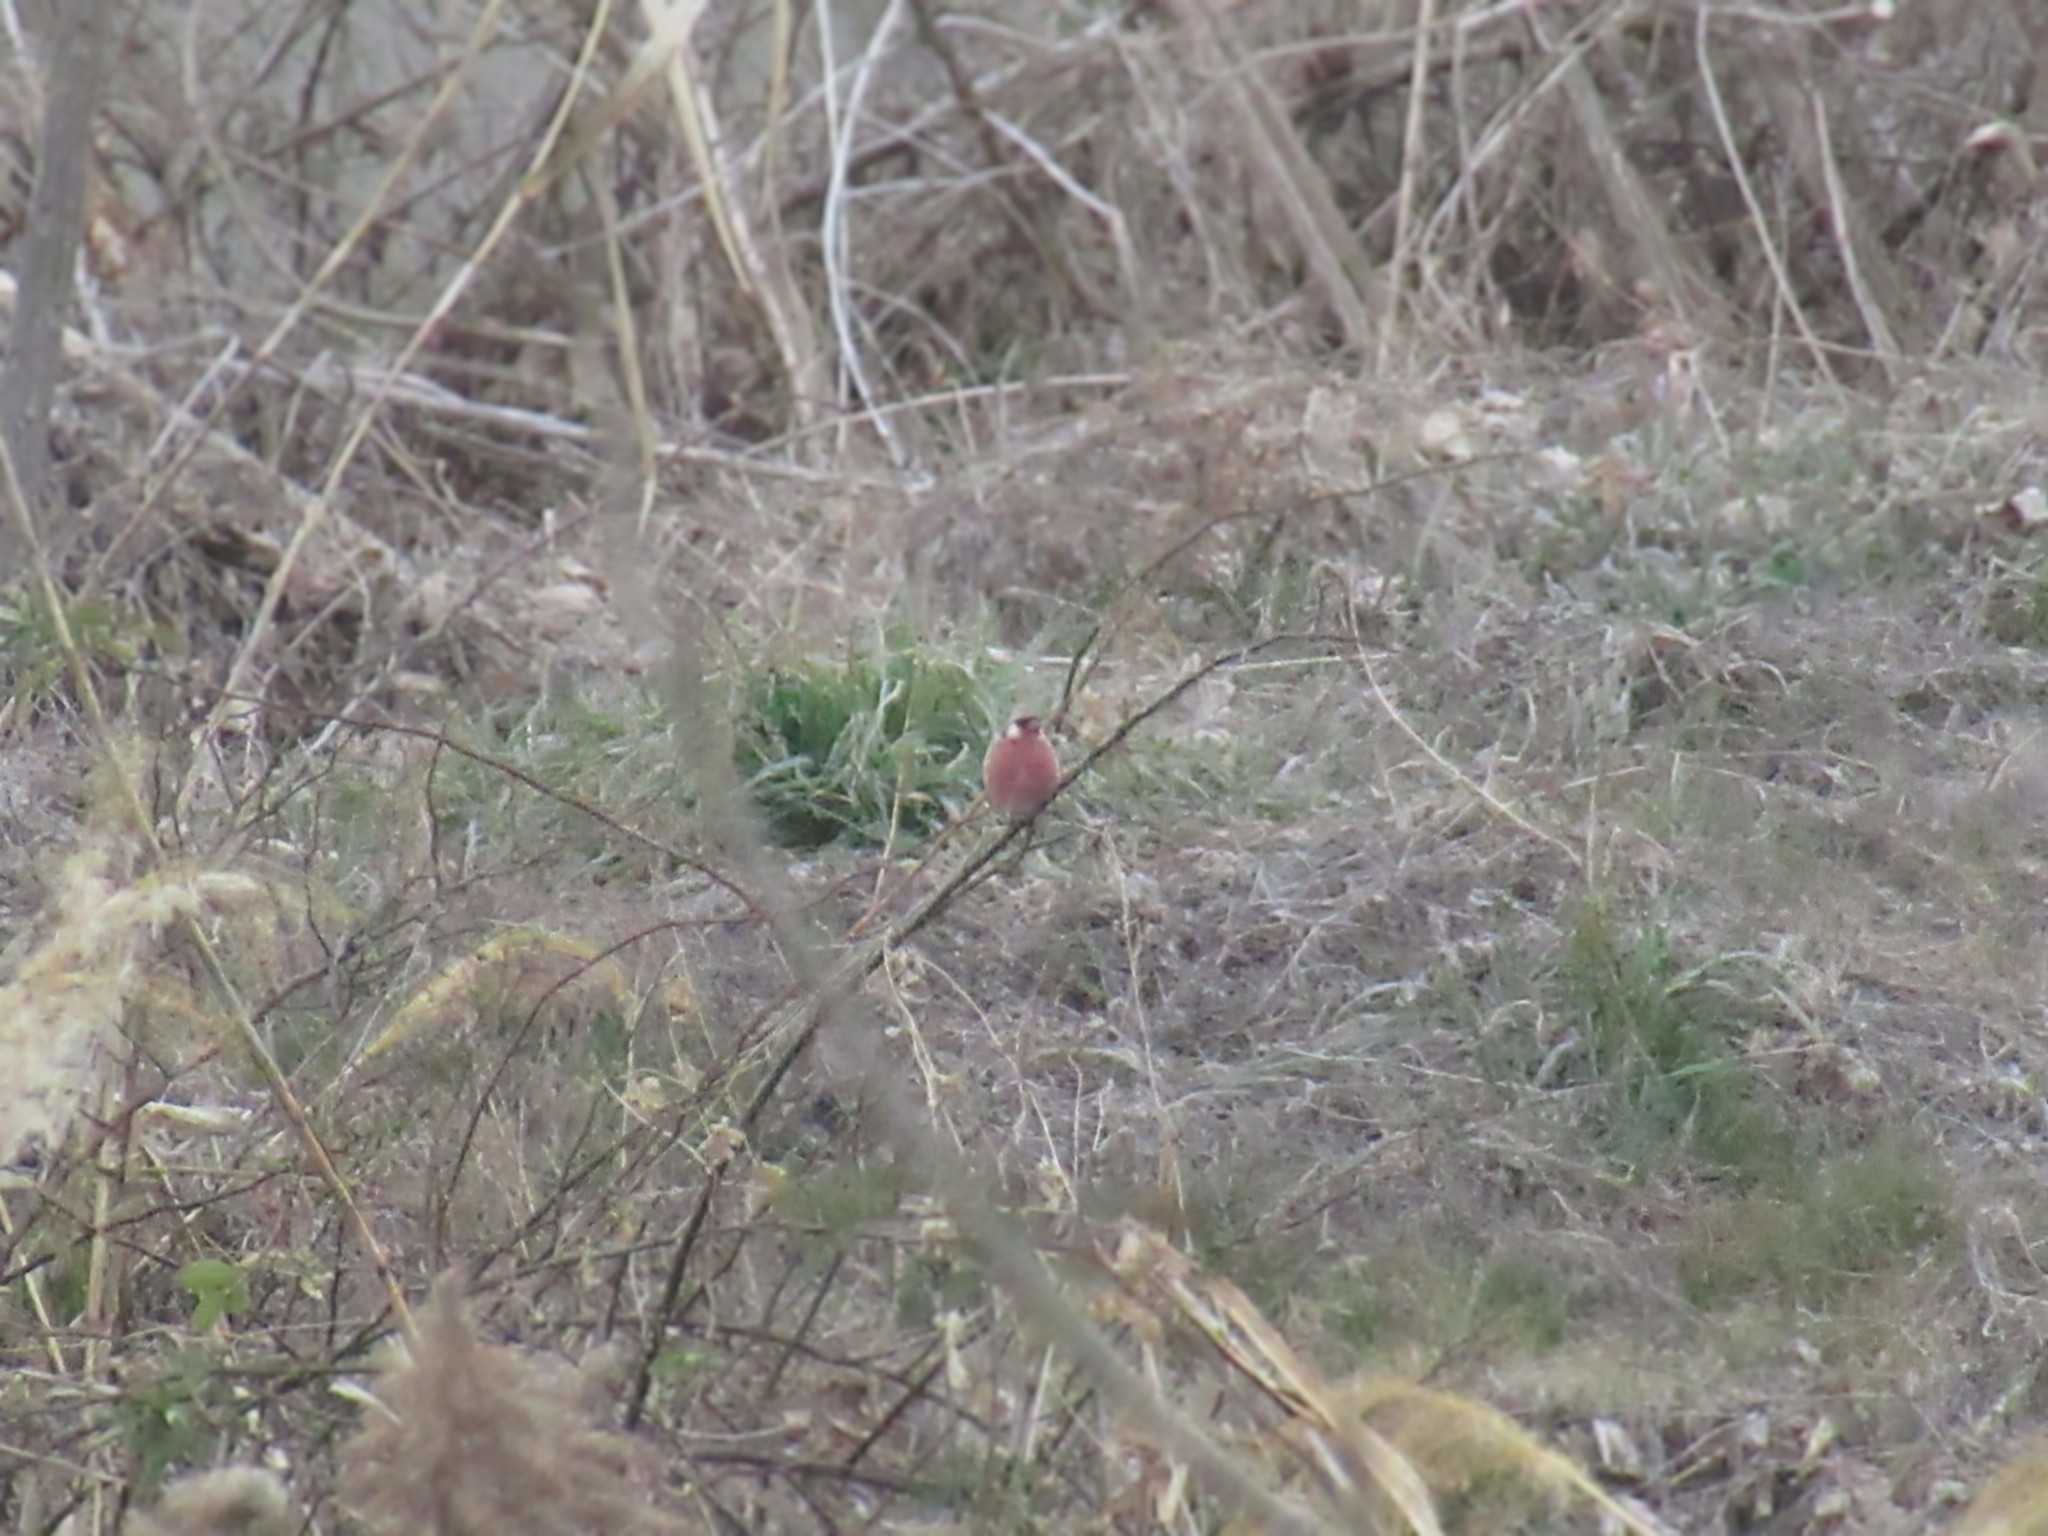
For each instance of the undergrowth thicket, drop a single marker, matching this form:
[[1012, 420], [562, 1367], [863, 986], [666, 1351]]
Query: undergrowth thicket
[[1521, 519]]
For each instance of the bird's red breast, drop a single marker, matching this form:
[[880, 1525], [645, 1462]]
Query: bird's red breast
[[1021, 770]]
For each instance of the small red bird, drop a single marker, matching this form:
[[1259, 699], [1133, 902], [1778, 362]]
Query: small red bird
[[1021, 770]]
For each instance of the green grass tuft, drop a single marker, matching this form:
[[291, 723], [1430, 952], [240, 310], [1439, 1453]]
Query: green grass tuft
[[1661, 1040], [1834, 1221], [1526, 1296], [2016, 608], [32, 660], [842, 751]]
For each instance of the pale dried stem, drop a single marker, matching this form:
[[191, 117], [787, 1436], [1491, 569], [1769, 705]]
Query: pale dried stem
[[1292, 175], [764, 276], [842, 126], [56, 223], [1844, 226], [1637, 216], [1414, 152], [1510, 121], [1788, 296]]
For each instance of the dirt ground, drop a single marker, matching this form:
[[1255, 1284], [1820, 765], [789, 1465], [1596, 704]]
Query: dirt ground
[[1574, 945]]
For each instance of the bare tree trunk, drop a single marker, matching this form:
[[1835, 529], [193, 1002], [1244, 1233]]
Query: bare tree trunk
[[78, 33]]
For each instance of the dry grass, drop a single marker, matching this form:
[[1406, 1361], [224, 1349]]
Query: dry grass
[[1523, 1016], [469, 1436]]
